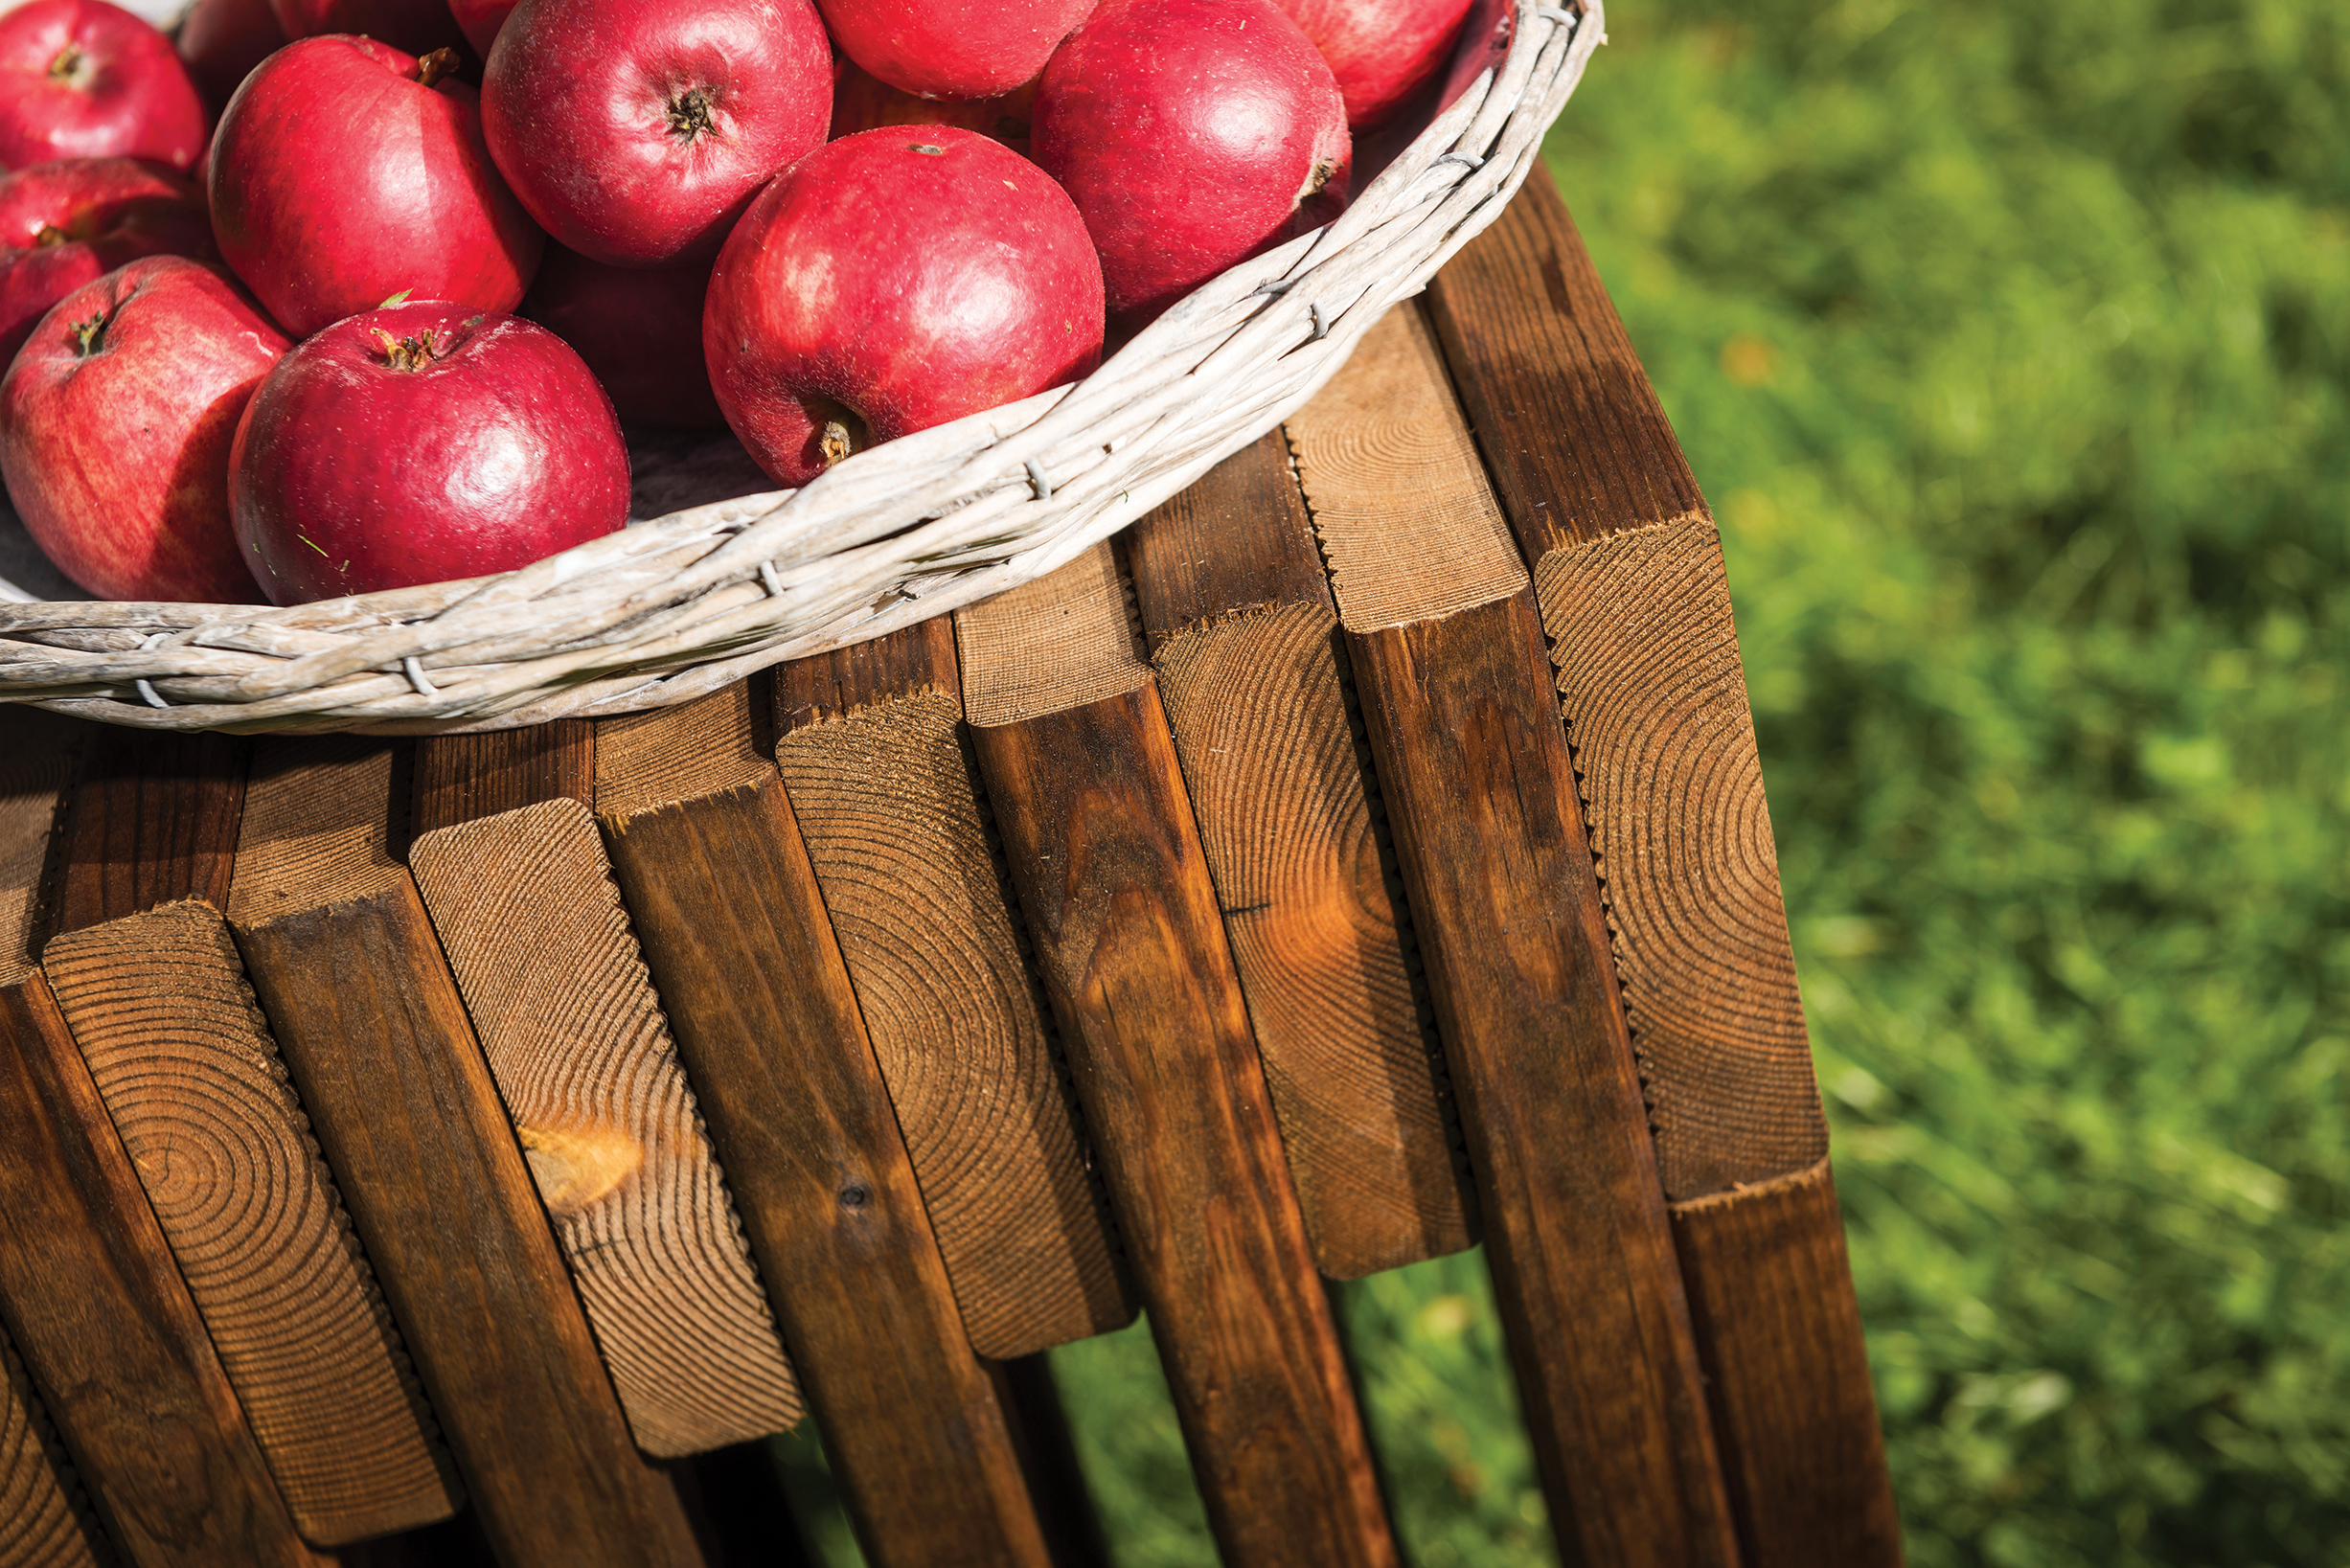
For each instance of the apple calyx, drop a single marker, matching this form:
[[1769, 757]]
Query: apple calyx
[[840, 432], [689, 113], [432, 67], [1316, 178], [52, 234], [89, 335], [407, 353], [71, 66]]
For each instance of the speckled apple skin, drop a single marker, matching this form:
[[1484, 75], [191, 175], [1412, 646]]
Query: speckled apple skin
[[117, 460], [911, 287], [339, 180], [1382, 52], [575, 101], [351, 475], [112, 210], [952, 48], [639, 328], [128, 97], [1192, 134]]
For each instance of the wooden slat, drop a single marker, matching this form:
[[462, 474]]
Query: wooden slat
[[105, 1327], [45, 1521], [1448, 657], [152, 821], [1245, 640], [461, 776], [734, 930], [159, 1004], [883, 787], [371, 1024], [1630, 577], [40, 754], [1099, 836], [526, 911]]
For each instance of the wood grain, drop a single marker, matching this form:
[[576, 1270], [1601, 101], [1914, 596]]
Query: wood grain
[[371, 1024], [38, 754], [1066, 639], [1245, 640], [107, 1331], [1771, 1291], [1129, 937], [152, 821], [535, 933], [904, 664], [734, 930], [1481, 793], [45, 1518], [158, 1004], [882, 787], [1629, 576], [461, 776], [1406, 524]]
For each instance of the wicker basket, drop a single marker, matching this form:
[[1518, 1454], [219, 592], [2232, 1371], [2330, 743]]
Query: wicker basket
[[676, 606]]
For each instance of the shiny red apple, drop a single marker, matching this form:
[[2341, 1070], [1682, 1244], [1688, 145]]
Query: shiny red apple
[[421, 443], [952, 48], [480, 20], [890, 282], [71, 223], [346, 172], [639, 328], [115, 426], [417, 27], [1192, 134], [81, 79], [222, 40], [1381, 50], [862, 101], [638, 130]]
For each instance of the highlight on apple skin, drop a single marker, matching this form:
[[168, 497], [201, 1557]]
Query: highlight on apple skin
[[890, 282]]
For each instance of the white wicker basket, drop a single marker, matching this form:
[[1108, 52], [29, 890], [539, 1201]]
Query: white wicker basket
[[676, 606]]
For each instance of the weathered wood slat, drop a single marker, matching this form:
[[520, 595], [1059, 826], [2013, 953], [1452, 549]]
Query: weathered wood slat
[[39, 755], [107, 1330], [152, 821], [527, 912], [871, 753], [1628, 572], [1245, 640], [733, 929], [371, 1024], [159, 1004], [45, 1521], [459, 778], [1099, 836], [1448, 657]]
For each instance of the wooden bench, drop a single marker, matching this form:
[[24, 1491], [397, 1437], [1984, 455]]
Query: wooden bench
[[461, 1145]]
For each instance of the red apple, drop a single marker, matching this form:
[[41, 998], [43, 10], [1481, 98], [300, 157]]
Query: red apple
[[71, 223], [639, 328], [416, 26], [952, 48], [861, 101], [222, 41], [421, 443], [638, 130], [346, 172], [81, 79], [115, 425], [1192, 134], [1381, 50], [481, 19], [893, 280]]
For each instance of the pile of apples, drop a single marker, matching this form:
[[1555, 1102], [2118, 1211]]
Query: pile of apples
[[333, 296]]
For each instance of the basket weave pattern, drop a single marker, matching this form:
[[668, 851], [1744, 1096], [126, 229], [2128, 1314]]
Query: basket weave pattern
[[675, 607]]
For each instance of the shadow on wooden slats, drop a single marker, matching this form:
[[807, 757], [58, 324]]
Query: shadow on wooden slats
[[1627, 568], [1245, 640], [871, 750], [709, 859], [1448, 657], [523, 901], [344, 960], [1098, 835], [152, 820]]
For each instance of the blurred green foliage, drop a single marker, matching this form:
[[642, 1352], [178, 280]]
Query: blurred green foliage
[[2009, 341]]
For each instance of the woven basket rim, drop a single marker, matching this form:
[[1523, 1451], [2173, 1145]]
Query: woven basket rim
[[671, 608]]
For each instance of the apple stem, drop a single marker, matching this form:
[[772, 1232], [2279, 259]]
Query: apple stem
[[435, 65], [405, 353], [67, 66], [689, 113], [88, 334]]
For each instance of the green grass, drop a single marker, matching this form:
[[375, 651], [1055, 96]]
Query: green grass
[[2010, 343]]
